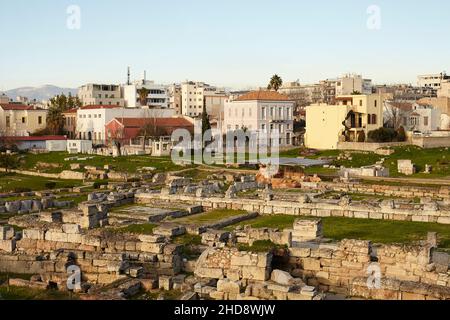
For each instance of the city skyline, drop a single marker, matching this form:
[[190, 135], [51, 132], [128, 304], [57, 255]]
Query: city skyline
[[204, 41]]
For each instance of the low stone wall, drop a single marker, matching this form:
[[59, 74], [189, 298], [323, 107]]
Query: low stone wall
[[392, 289], [340, 267], [431, 142], [322, 209], [368, 146], [437, 192], [234, 265], [249, 235]]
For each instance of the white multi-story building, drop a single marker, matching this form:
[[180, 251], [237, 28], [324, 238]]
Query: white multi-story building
[[264, 112], [157, 97], [193, 95], [101, 94], [432, 80], [91, 120], [423, 118], [351, 83]]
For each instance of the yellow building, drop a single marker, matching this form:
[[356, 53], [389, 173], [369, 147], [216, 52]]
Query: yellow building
[[21, 120], [351, 119]]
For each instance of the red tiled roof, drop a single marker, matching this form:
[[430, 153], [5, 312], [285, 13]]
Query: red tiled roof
[[263, 96], [71, 111], [36, 138], [159, 122], [94, 107], [14, 106]]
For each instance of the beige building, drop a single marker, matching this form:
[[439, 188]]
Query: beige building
[[101, 94], [174, 92], [264, 112], [193, 95], [444, 91], [4, 99], [350, 83], [21, 120], [351, 119]]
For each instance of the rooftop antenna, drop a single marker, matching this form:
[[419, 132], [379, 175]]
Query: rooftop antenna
[[129, 74], [145, 77]]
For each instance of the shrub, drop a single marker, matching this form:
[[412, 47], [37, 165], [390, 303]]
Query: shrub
[[361, 136], [50, 185], [401, 134], [383, 135], [98, 184]]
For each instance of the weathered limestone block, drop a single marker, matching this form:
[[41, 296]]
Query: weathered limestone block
[[307, 230], [8, 245], [71, 228], [170, 230], [155, 248], [281, 277], [33, 234], [153, 238], [6, 233], [228, 286], [165, 283], [51, 217], [12, 206]]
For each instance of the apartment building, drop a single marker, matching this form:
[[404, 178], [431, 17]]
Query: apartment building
[[350, 83], [4, 99], [350, 119], [21, 120], [432, 80], [193, 98], [264, 112], [101, 94], [91, 120], [174, 91], [444, 90], [157, 95]]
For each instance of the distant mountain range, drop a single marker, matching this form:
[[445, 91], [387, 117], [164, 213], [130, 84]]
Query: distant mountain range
[[39, 93]]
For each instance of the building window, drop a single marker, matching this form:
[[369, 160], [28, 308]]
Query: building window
[[374, 119], [425, 121], [40, 120], [376, 103], [360, 103], [24, 120], [8, 121]]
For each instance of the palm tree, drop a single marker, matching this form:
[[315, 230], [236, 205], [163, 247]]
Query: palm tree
[[275, 83], [143, 94]]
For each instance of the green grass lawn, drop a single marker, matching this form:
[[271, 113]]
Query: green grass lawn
[[377, 231], [14, 182], [146, 228], [129, 164], [438, 158], [210, 216], [20, 293]]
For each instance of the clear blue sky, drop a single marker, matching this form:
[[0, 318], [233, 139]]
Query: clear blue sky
[[235, 43]]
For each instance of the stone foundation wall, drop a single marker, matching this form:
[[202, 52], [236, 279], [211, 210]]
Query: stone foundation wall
[[250, 235], [437, 192], [234, 265], [423, 213], [336, 267]]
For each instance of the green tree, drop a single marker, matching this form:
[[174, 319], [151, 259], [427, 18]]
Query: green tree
[[206, 125], [8, 161], [401, 134], [55, 117], [143, 95], [275, 83]]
